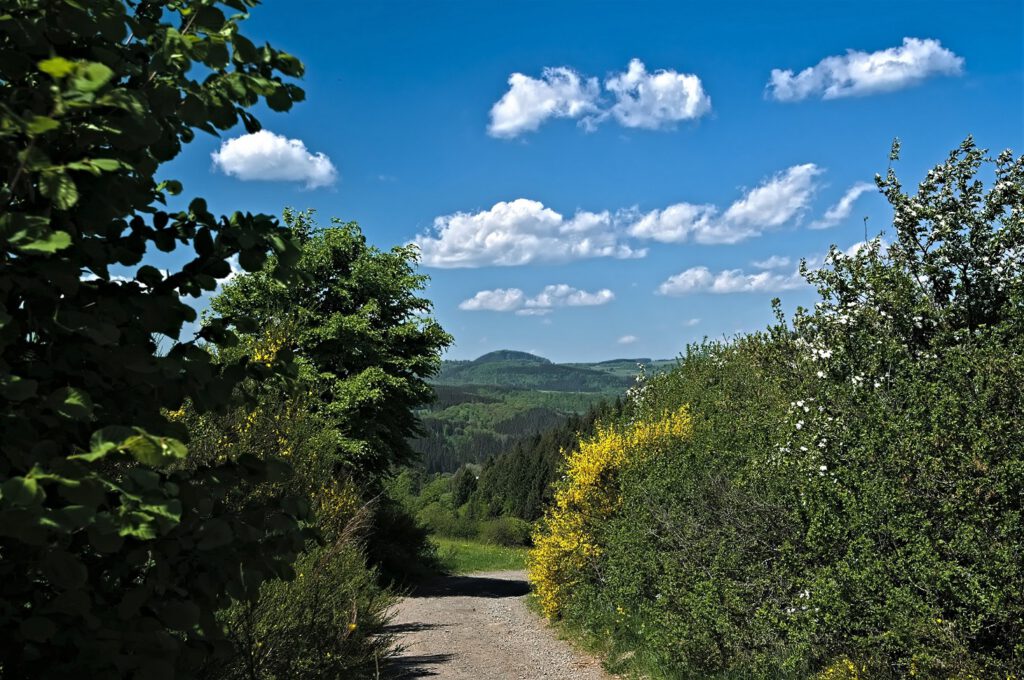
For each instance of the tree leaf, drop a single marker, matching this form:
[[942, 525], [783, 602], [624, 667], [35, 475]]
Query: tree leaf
[[91, 77], [180, 615], [37, 629], [58, 67], [73, 403], [64, 570], [14, 388], [49, 243], [38, 125], [214, 533], [58, 186], [21, 491]]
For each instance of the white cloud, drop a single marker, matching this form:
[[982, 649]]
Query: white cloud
[[655, 100], [520, 232], [692, 322], [265, 156], [771, 204], [862, 73], [841, 210], [703, 280], [775, 201], [773, 262], [498, 300], [627, 339], [676, 223], [641, 99], [552, 297], [562, 295], [559, 93]]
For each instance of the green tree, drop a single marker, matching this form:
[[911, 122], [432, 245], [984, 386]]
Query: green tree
[[360, 332], [112, 559]]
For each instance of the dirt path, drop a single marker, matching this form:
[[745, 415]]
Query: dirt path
[[477, 627]]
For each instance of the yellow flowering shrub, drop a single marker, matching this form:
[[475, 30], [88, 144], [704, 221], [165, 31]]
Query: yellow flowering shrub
[[565, 542], [264, 348], [843, 669]]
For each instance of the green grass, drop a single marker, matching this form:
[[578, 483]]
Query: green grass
[[462, 556]]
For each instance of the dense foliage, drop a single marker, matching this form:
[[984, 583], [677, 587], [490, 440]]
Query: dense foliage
[[363, 344], [183, 505], [849, 501], [112, 560], [360, 332]]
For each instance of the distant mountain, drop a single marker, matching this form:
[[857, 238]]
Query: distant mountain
[[508, 368], [485, 405], [510, 355]]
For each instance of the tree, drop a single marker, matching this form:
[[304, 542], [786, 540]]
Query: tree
[[360, 333], [113, 560]]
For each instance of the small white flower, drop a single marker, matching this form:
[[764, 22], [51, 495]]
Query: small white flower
[[799, 424]]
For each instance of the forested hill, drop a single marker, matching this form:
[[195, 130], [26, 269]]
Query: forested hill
[[508, 368], [485, 405]]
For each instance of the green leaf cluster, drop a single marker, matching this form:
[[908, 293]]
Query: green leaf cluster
[[114, 554]]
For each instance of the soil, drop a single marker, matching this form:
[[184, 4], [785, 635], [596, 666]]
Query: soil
[[477, 627]]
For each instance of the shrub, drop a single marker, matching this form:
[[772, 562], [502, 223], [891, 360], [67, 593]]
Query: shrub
[[566, 544], [397, 544], [329, 622], [848, 503], [510, 531]]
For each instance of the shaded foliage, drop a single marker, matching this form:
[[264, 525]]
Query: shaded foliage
[[114, 560]]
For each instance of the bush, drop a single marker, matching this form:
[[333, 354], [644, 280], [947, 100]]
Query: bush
[[329, 622], [848, 503], [510, 531], [397, 544]]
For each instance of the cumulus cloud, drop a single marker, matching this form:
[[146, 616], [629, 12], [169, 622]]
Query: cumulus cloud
[[773, 262], [641, 99], [703, 280], [771, 204], [676, 223], [655, 100], [627, 339], [841, 210], [862, 73], [552, 297], [520, 232], [497, 300], [265, 156], [559, 93]]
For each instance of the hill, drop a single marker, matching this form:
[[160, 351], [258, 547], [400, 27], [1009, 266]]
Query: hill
[[507, 368], [485, 405]]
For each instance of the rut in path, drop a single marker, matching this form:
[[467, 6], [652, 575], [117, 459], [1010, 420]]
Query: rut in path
[[477, 627]]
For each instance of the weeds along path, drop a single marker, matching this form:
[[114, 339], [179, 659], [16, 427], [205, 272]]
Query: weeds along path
[[477, 627]]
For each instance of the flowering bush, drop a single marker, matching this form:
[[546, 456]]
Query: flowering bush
[[566, 543], [849, 503]]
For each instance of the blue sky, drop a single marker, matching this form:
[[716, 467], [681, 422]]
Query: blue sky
[[400, 101]]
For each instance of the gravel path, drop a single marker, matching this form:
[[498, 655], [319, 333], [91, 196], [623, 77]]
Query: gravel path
[[477, 627]]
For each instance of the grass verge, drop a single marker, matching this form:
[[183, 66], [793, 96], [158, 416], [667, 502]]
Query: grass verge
[[461, 556]]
